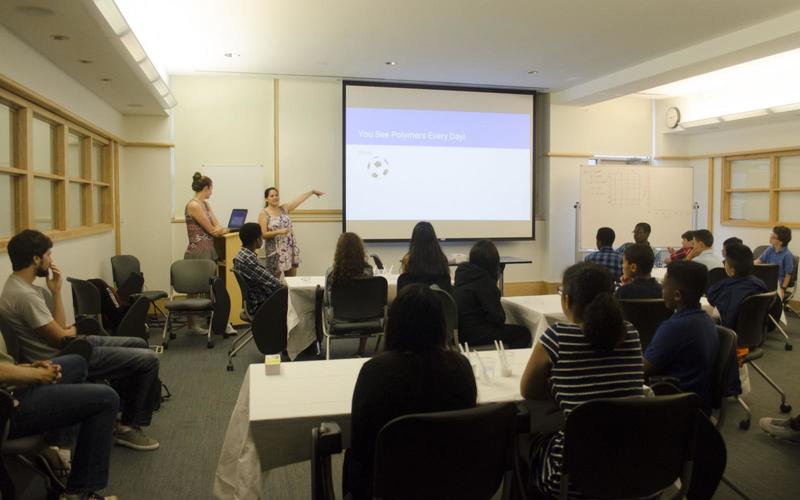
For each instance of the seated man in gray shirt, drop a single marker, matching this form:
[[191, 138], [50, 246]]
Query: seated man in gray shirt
[[703, 251], [36, 317]]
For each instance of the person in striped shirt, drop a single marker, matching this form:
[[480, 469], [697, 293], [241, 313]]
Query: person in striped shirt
[[595, 354]]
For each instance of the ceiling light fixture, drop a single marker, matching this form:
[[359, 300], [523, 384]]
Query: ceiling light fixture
[[390, 63], [84, 61], [135, 106], [741, 116], [132, 46], [59, 38], [533, 72], [785, 108], [170, 99], [105, 79], [30, 10], [149, 70], [231, 55], [161, 87], [700, 123], [112, 15]]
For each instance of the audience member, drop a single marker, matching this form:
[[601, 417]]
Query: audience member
[[778, 253], [733, 240], [481, 318], [349, 261], [569, 359], [261, 284], [415, 374], [36, 316], [605, 255], [703, 251], [685, 346], [50, 397], [787, 429], [687, 241], [727, 295], [425, 262], [637, 262], [641, 233]]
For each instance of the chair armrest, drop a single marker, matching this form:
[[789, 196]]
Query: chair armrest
[[88, 325], [330, 439], [326, 440], [523, 418], [665, 386], [78, 346]]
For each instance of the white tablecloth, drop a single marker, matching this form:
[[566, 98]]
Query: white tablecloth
[[533, 312], [271, 423], [300, 315]]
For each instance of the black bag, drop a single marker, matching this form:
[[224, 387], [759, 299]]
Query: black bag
[[112, 307]]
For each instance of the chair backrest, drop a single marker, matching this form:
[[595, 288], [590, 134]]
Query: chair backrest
[[192, 275], [85, 298], [722, 365], [134, 323], [454, 454], [441, 280], [10, 338], [359, 298], [243, 288], [222, 305], [645, 315], [768, 273], [7, 488], [760, 249], [752, 320], [122, 266], [716, 274], [793, 279], [450, 310], [269, 323], [603, 458]]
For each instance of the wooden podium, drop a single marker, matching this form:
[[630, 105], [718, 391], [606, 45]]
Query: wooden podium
[[227, 247]]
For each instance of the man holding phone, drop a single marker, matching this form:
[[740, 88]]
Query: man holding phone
[[36, 317]]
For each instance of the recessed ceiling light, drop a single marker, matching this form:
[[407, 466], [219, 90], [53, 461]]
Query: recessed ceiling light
[[84, 61], [533, 72], [59, 38], [134, 105], [231, 55], [31, 10], [105, 79], [390, 63]]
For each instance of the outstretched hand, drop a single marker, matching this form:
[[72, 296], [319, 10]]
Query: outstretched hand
[[317, 192]]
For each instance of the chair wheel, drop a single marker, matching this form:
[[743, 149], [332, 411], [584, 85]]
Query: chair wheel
[[173, 336], [210, 344], [229, 368], [744, 425], [788, 346], [786, 408]]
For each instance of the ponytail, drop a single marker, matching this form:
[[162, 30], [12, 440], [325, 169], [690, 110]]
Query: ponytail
[[589, 288], [603, 325]]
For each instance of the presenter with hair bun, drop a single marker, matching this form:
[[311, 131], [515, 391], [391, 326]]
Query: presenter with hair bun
[[201, 223], [280, 247]]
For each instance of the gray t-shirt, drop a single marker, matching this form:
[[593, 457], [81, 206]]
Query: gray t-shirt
[[27, 308]]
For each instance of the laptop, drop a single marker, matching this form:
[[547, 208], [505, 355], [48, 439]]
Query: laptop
[[238, 217]]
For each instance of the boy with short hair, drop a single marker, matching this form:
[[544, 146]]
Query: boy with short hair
[[703, 251], [687, 242], [637, 262], [778, 253], [728, 294], [686, 345], [641, 233], [605, 255]]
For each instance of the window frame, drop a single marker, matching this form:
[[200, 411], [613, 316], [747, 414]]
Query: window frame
[[23, 175], [774, 189]]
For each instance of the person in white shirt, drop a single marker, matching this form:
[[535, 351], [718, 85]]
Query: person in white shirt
[[703, 250]]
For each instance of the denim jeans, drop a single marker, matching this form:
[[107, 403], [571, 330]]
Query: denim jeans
[[92, 407], [132, 369]]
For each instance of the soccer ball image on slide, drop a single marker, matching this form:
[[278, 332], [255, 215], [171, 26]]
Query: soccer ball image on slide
[[377, 167]]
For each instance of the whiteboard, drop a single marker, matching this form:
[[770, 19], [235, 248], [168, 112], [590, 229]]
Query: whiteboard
[[236, 186], [620, 196]]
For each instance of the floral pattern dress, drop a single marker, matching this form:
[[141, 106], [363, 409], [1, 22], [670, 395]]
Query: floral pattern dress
[[281, 250], [201, 243]]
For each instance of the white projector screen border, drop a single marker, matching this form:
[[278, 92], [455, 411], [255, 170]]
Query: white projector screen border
[[451, 230]]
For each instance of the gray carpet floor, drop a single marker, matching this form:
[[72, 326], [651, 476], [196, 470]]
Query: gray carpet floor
[[191, 426]]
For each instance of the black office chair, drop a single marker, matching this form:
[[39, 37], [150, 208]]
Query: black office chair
[[134, 323], [319, 305], [246, 335], [450, 310], [760, 249], [190, 276], [751, 330], [602, 458], [441, 280], [768, 273], [716, 275], [646, 315], [125, 267], [791, 289], [462, 454], [724, 362], [86, 303], [358, 310], [268, 327], [221, 305]]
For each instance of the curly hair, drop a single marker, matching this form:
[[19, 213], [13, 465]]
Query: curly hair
[[350, 258]]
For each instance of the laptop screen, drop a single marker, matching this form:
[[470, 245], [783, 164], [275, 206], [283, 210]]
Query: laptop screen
[[238, 216]]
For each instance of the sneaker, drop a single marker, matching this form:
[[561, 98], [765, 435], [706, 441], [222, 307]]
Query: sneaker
[[779, 428], [230, 331], [56, 467], [136, 439]]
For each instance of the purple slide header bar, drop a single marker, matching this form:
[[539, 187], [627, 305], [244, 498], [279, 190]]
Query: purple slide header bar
[[412, 127]]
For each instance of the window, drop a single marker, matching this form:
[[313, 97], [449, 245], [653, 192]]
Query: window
[[56, 174], [762, 190]]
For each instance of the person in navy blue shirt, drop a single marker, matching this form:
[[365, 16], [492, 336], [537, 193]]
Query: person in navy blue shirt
[[605, 255], [685, 346], [637, 262], [778, 253], [727, 295]]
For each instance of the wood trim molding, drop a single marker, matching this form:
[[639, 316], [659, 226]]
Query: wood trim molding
[[69, 233], [117, 216], [276, 146], [744, 153], [710, 199], [317, 212], [147, 144], [569, 155], [520, 288]]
